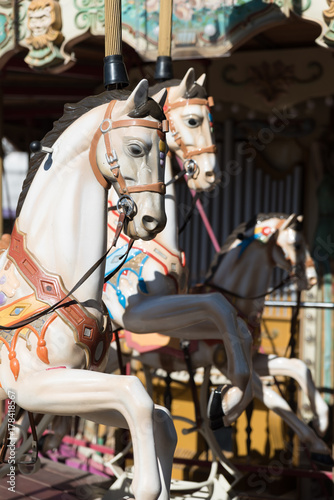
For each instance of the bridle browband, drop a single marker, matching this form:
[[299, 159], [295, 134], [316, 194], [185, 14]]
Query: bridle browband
[[105, 127], [187, 154]]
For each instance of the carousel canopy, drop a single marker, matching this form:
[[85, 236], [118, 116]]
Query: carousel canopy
[[48, 31], [51, 52]]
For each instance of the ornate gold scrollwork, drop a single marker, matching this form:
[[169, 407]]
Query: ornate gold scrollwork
[[329, 13]]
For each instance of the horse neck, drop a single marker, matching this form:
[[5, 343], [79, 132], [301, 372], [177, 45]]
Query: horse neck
[[247, 275], [64, 213], [168, 238]]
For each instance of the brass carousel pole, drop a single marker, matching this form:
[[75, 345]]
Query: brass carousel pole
[[1, 157], [164, 69], [1, 172], [115, 74]]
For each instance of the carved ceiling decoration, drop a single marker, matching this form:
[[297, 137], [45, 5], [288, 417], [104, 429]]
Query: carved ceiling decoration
[[271, 79], [48, 30]]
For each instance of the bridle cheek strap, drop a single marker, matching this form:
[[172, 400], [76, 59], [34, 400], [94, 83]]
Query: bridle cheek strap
[[104, 129], [92, 160]]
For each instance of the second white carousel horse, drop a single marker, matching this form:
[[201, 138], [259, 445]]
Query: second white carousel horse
[[55, 336], [150, 291], [244, 268], [290, 244]]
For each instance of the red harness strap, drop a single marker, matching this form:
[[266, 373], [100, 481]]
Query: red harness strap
[[50, 289]]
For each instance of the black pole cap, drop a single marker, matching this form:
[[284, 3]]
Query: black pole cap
[[163, 68], [115, 73], [35, 146]]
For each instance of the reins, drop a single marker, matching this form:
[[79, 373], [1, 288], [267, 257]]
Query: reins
[[261, 296], [61, 303], [187, 219], [176, 177]]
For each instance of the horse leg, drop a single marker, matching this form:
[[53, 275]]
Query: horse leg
[[112, 400], [276, 403], [194, 317], [296, 368]]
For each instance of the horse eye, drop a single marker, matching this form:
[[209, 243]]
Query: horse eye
[[193, 121], [135, 150]]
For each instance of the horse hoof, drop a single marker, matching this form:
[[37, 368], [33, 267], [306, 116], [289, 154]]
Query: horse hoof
[[215, 410], [29, 468]]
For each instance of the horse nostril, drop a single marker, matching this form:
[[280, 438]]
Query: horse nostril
[[149, 223], [210, 176]]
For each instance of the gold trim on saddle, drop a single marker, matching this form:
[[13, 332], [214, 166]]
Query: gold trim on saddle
[[20, 309]]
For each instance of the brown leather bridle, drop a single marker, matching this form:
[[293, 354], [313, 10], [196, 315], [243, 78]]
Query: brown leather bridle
[[189, 164], [105, 127]]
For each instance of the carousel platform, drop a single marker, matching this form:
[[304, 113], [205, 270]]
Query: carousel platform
[[55, 481], [60, 481]]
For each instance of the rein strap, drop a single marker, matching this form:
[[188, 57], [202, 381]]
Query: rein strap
[[237, 296]]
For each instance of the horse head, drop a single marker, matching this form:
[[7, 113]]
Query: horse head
[[187, 108], [130, 153], [290, 252]]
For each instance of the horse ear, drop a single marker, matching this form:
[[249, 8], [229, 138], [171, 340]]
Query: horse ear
[[182, 89], [201, 80], [137, 98], [290, 220], [160, 97]]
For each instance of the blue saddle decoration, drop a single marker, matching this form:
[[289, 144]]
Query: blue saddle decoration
[[114, 259]]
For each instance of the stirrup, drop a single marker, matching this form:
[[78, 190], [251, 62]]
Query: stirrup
[[34, 445]]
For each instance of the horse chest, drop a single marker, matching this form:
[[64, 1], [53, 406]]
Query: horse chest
[[32, 311], [145, 271]]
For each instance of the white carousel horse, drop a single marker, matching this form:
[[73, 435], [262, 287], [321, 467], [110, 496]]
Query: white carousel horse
[[149, 294], [154, 272], [52, 358], [244, 266]]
